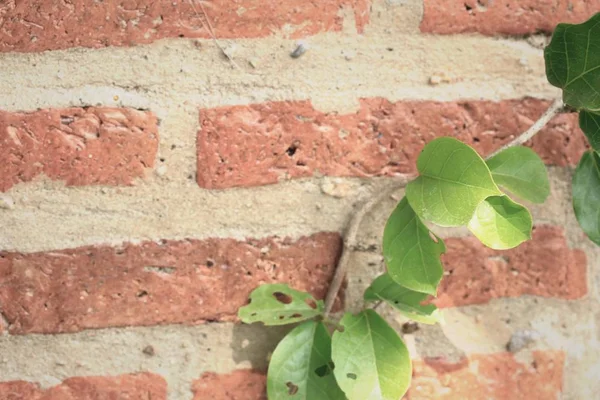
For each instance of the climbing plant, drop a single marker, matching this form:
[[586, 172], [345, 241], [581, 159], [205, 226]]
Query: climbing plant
[[364, 358]]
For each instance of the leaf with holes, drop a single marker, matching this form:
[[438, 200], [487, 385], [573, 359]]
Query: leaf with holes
[[411, 252], [590, 125], [301, 366], [407, 301], [521, 171], [453, 181], [500, 223], [586, 195], [573, 63], [278, 304], [371, 361]]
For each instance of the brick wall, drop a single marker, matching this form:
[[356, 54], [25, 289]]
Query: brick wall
[[149, 180]]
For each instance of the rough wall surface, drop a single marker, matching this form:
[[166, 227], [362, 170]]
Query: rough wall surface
[[151, 177]]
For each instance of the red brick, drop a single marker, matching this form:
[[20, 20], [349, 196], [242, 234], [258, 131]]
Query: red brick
[[141, 386], [479, 377], [261, 144], [81, 146], [503, 17], [544, 266], [33, 25], [189, 281], [238, 385], [494, 376]]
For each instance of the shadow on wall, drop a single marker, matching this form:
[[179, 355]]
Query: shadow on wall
[[255, 343]]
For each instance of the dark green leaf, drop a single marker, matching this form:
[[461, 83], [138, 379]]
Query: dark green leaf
[[411, 253], [573, 63], [500, 223], [371, 361], [521, 171], [278, 304], [586, 195], [453, 181], [301, 366], [590, 125], [407, 301]]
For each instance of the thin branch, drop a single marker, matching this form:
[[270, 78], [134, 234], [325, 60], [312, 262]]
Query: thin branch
[[352, 230], [211, 31], [555, 108], [350, 242]]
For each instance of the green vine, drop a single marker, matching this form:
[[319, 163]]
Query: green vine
[[365, 358]]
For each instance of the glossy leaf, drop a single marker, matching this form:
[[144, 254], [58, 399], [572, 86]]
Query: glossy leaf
[[586, 195], [521, 171], [590, 125], [573, 63], [500, 223], [301, 366], [406, 301], [411, 253], [278, 304], [371, 361], [453, 181]]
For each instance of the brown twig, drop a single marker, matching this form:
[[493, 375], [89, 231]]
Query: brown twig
[[352, 230], [555, 108], [211, 31]]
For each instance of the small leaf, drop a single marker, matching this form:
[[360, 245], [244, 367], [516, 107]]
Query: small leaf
[[407, 301], [371, 361], [586, 195], [573, 63], [453, 181], [411, 253], [521, 171], [590, 125], [500, 223], [278, 304], [301, 367]]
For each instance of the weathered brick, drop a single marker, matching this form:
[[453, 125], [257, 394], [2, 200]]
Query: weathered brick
[[503, 17], [479, 377], [261, 144], [242, 384], [544, 266], [188, 281], [31, 25], [81, 146], [141, 386], [491, 376]]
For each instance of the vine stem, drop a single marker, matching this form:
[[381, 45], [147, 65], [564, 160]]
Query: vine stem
[[352, 230], [555, 108]]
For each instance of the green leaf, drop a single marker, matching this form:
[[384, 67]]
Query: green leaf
[[411, 253], [573, 63], [500, 223], [301, 366], [586, 195], [371, 361], [521, 171], [590, 125], [453, 181], [407, 301], [278, 304]]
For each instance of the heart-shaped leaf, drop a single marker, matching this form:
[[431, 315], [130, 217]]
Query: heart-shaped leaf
[[278, 304], [301, 366], [407, 301], [371, 361], [573, 63], [453, 181], [521, 171], [500, 223], [411, 252], [590, 125], [586, 195]]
